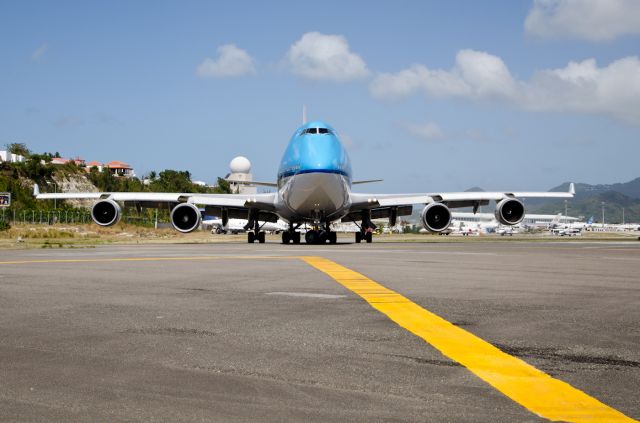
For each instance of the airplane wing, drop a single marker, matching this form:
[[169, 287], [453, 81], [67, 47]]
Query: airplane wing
[[185, 208], [451, 199], [253, 183], [436, 215], [157, 199]]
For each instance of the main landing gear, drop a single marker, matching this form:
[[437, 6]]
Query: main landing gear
[[257, 234], [366, 228], [290, 236], [364, 236], [252, 237]]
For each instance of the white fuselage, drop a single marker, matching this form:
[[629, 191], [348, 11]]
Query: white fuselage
[[313, 196]]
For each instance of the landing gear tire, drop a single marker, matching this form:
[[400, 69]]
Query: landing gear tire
[[261, 237], [358, 237], [311, 237], [286, 237], [333, 237], [251, 237], [295, 237], [322, 237], [368, 237]]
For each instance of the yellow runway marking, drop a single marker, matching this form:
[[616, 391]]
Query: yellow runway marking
[[535, 390], [125, 259]]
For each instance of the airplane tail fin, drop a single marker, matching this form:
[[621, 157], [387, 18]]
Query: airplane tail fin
[[590, 221]]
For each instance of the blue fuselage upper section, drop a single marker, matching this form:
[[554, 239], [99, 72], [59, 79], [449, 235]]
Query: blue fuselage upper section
[[315, 148]]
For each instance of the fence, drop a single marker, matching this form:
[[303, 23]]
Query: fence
[[50, 217]]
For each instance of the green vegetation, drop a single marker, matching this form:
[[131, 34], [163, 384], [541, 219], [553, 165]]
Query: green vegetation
[[18, 148], [18, 179]]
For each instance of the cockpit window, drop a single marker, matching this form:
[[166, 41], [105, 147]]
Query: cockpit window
[[316, 131]]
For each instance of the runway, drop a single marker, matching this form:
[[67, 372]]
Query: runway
[[269, 332]]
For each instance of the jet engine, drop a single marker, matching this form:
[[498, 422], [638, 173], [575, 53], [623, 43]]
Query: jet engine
[[510, 211], [185, 217], [106, 212], [436, 217]]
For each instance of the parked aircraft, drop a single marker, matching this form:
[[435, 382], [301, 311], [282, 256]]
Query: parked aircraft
[[236, 226], [487, 222], [314, 186], [574, 225]]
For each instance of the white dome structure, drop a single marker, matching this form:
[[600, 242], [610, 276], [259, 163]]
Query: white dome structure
[[241, 171], [240, 165]]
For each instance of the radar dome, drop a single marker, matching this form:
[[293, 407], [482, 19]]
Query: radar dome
[[240, 165]]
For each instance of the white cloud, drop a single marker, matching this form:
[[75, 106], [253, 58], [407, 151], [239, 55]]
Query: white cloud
[[38, 54], [582, 87], [594, 20], [427, 131], [476, 74], [231, 62], [325, 57]]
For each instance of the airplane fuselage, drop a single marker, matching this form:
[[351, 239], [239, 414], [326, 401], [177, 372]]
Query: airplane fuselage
[[314, 178]]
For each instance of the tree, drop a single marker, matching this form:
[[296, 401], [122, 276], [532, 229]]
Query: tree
[[223, 186], [18, 148], [174, 181]]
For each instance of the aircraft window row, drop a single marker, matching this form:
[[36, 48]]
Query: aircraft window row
[[316, 131]]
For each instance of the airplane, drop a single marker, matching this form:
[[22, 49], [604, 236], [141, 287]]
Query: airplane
[[574, 225], [569, 231], [314, 187], [487, 222], [236, 226]]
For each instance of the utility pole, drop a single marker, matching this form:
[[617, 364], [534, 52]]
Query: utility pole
[[566, 219], [55, 190], [623, 215], [602, 214]]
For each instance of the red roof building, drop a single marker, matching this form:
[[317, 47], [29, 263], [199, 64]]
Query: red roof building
[[59, 161], [93, 164], [118, 168]]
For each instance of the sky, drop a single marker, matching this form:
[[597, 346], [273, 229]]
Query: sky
[[427, 95]]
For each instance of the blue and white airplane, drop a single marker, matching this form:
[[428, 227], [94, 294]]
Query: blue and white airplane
[[314, 188]]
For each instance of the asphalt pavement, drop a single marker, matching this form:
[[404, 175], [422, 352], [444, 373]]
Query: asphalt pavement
[[238, 332]]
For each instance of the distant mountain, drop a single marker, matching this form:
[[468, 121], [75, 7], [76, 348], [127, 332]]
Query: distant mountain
[[630, 189], [588, 201]]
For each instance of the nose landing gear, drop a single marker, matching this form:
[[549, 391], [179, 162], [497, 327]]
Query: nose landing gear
[[320, 237]]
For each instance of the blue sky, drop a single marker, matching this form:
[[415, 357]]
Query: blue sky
[[429, 96]]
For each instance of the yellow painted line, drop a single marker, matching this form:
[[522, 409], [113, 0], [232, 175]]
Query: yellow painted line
[[126, 259], [533, 389]]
